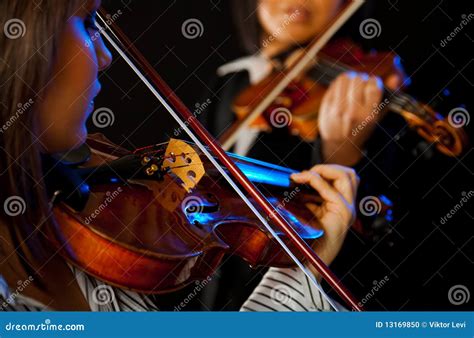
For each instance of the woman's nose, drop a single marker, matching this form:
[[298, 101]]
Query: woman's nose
[[104, 56]]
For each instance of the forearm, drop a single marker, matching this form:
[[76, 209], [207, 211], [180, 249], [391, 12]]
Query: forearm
[[345, 153]]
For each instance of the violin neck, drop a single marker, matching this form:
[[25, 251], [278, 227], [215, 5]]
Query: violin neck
[[264, 172], [400, 103]]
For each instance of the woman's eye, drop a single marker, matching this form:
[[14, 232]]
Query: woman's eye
[[89, 22]]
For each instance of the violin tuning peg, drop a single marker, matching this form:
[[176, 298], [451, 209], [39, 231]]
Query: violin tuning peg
[[145, 160], [151, 169]]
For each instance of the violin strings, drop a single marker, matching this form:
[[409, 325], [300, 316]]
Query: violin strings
[[326, 71], [222, 171]]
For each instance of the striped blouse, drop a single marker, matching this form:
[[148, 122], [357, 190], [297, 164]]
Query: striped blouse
[[280, 290]]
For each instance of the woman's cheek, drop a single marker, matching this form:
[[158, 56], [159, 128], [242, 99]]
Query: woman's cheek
[[66, 107], [59, 132], [80, 136], [74, 130]]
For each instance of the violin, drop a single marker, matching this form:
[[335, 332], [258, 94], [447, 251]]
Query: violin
[[161, 217], [268, 104], [156, 219]]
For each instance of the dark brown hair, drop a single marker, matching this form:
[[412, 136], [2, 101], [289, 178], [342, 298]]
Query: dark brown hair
[[28, 41], [249, 30]]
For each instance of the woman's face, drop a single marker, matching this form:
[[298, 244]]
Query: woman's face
[[67, 100], [295, 21]]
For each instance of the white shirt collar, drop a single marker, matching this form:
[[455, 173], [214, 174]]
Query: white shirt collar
[[258, 67]]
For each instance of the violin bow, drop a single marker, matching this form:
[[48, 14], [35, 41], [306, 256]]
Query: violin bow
[[200, 136], [229, 137]]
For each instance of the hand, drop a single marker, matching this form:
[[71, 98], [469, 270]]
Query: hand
[[337, 186], [349, 112]]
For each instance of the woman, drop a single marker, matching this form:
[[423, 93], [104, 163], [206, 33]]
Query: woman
[[51, 60], [390, 159], [270, 31]]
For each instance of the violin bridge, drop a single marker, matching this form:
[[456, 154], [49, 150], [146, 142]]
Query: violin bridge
[[184, 161]]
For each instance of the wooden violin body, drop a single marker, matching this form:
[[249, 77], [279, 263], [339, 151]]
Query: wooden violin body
[[170, 252], [297, 106], [157, 235]]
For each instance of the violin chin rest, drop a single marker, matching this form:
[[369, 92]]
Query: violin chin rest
[[78, 156], [64, 183]]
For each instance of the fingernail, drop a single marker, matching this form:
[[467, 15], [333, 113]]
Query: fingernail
[[296, 176]]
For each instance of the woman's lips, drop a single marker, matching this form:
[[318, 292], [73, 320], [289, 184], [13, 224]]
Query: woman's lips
[[90, 107], [299, 14]]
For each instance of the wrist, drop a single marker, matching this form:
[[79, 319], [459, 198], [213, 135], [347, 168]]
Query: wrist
[[344, 153], [327, 252]]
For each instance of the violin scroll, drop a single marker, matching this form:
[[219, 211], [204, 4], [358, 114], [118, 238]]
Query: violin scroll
[[448, 139]]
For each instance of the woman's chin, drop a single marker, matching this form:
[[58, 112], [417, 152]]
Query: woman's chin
[[65, 144], [80, 138]]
